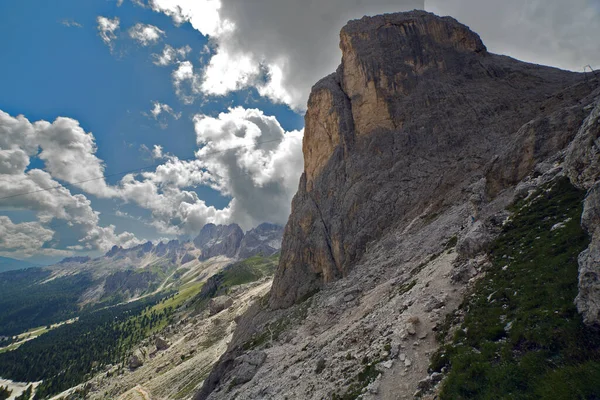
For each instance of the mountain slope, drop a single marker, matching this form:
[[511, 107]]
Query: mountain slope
[[11, 264], [411, 118], [416, 151]]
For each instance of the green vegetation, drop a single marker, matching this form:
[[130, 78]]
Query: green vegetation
[[522, 337], [26, 302], [26, 395], [249, 270], [4, 393], [367, 375], [274, 329], [67, 355]]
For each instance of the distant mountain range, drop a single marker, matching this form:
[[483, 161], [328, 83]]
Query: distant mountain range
[[127, 273], [11, 264]]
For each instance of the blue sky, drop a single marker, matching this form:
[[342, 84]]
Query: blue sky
[[228, 107], [59, 66]]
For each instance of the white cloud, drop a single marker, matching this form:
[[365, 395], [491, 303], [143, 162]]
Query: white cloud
[[159, 109], [244, 154], [145, 34], [70, 23], [69, 155], [551, 32], [24, 239], [171, 55], [107, 28], [157, 152], [202, 14], [186, 82], [253, 160], [295, 43], [119, 3], [67, 150]]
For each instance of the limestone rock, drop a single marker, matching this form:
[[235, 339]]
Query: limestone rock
[[412, 134], [265, 239], [411, 118], [583, 156], [588, 298], [219, 304], [161, 344], [215, 240], [476, 240], [248, 364], [136, 360]]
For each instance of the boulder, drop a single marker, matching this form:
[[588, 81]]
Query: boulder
[[247, 366], [161, 344], [136, 360], [219, 304]]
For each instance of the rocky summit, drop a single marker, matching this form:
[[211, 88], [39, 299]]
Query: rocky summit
[[412, 117], [428, 163]]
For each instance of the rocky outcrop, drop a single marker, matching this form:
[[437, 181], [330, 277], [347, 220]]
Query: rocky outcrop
[[216, 240], [583, 168], [417, 112], [219, 304], [265, 240], [413, 150], [75, 260]]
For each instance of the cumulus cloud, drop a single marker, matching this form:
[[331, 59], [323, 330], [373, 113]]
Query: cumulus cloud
[[244, 154], [67, 150], [159, 112], [186, 82], [24, 239], [157, 152], [296, 43], [28, 191], [69, 155], [145, 34], [171, 55], [551, 32], [282, 56], [252, 159], [107, 28]]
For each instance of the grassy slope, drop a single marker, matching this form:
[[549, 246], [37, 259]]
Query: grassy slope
[[522, 337]]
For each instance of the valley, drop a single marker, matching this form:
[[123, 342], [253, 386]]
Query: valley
[[120, 304]]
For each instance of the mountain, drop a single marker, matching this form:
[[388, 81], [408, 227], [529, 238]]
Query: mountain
[[265, 239], [11, 264], [446, 220], [219, 240], [230, 241]]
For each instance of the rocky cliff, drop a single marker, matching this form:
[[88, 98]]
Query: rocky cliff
[[230, 241], [216, 240], [414, 114], [429, 164]]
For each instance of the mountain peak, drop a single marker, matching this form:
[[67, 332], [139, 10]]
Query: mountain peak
[[409, 120]]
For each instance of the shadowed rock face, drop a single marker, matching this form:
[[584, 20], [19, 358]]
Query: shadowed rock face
[[215, 240], [265, 239], [417, 111]]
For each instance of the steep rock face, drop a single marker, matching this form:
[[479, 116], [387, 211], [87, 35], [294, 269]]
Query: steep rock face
[[583, 167], [265, 239], [417, 113], [215, 240]]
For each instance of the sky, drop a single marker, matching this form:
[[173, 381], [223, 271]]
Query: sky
[[123, 121]]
